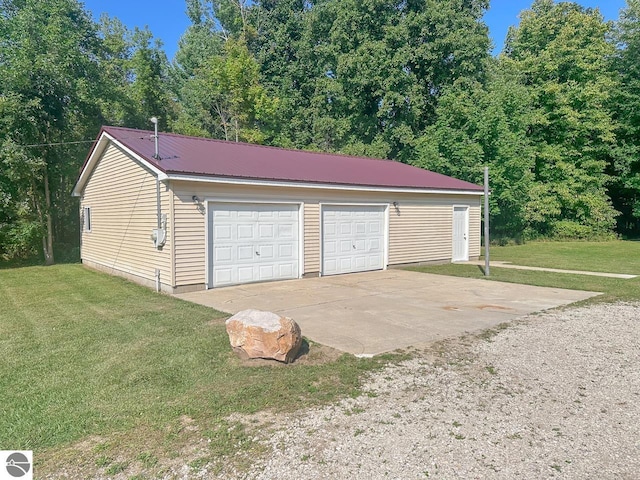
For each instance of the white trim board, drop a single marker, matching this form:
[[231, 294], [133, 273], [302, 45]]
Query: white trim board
[[101, 145], [324, 186]]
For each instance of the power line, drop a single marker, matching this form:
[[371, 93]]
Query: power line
[[74, 143], [57, 143]]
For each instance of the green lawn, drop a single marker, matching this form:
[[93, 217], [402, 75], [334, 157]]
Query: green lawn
[[89, 359], [613, 257], [110, 377]]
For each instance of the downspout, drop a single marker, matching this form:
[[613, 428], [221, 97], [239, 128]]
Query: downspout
[[159, 212], [158, 202], [156, 156]]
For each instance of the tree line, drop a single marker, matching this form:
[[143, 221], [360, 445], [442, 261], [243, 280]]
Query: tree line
[[556, 115]]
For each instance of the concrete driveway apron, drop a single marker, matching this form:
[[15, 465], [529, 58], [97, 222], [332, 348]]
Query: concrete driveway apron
[[376, 312]]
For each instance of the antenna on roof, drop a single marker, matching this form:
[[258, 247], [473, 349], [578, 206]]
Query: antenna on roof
[[154, 120]]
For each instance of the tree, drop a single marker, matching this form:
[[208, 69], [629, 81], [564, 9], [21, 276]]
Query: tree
[[61, 77], [135, 73], [625, 107], [47, 63], [486, 125], [562, 53], [217, 79], [365, 76]]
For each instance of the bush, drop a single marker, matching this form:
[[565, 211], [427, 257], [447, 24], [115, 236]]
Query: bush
[[570, 230]]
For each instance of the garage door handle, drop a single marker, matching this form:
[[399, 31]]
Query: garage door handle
[[353, 246], [257, 253]]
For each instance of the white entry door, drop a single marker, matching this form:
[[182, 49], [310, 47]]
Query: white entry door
[[460, 234], [352, 238], [252, 243]]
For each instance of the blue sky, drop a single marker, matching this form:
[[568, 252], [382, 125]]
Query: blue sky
[[168, 21]]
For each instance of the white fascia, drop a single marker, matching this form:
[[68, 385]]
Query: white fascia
[[101, 145], [330, 186]]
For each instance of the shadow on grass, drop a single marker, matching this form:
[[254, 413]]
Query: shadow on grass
[[24, 263]]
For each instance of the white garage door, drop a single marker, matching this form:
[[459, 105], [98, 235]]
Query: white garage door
[[252, 243], [352, 238]]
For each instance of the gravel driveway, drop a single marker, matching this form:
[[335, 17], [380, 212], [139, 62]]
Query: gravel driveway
[[554, 395]]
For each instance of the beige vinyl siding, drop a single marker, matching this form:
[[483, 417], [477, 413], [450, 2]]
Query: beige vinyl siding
[[422, 230], [311, 238], [123, 201], [421, 233], [190, 237]]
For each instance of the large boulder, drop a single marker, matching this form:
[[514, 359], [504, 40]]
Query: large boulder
[[259, 334]]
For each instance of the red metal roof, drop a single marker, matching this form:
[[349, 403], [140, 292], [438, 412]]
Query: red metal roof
[[182, 155]]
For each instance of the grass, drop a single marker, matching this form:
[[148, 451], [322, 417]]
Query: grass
[[95, 363], [612, 257], [109, 377]]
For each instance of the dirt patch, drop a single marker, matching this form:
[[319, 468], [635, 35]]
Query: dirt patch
[[214, 322]]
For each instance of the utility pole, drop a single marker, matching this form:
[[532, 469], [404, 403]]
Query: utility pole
[[486, 221]]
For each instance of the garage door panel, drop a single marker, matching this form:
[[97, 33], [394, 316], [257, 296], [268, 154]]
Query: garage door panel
[[244, 252], [244, 232], [329, 229], [345, 228], [375, 262], [286, 213], [265, 272], [244, 212], [346, 264], [222, 254], [266, 214], [222, 276], [358, 233], [330, 265], [330, 247], [286, 251], [266, 252], [245, 273], [253, 242], [285, 270], [360, 245], [266, 231], [285, 231], [345, 246], [223, 232]]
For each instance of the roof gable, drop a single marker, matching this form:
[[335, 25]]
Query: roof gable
[[207, 158]]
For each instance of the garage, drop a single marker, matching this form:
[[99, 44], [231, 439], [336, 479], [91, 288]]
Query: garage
[[252, 242], [353, 238], [188, 213]]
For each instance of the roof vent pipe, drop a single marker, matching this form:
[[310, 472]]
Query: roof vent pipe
[[154, 120]]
